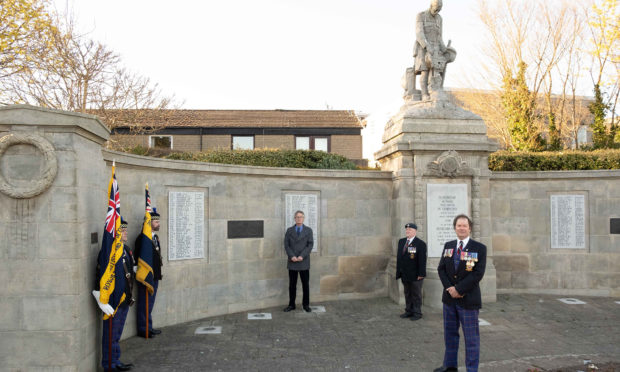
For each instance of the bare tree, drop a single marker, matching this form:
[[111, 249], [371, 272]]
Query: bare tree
[[76, 73]]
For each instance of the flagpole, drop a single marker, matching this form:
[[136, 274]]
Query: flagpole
[[110, 344], [147, 313]]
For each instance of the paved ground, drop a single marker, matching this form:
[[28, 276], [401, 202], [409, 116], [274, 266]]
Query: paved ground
[[525, 332]]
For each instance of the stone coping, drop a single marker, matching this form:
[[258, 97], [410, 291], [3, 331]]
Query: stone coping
[[198, 166], [572, 174], [46, 117]]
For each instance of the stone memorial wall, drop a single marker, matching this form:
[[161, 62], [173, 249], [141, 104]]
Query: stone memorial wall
[[547, 232]]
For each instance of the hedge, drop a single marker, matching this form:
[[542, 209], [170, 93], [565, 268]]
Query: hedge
[[264, 157], [551, 161]]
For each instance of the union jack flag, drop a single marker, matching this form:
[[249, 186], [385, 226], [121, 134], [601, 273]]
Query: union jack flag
[[112, 291]]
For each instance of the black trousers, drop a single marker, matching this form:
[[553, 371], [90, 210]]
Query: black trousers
[[413, 296], [292, 287]]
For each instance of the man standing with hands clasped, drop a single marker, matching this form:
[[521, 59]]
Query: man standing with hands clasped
[[411, 269], [298, 243], [460, 269]]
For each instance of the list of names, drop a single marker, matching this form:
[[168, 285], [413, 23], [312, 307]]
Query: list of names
[[307, 203], [185, 225], [568, 225]]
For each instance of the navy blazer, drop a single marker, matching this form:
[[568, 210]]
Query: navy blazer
[[410, 268], [465, 282]]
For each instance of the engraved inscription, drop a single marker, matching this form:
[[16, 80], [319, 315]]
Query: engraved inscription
[[568, 227], [185, 225], [308, 203]]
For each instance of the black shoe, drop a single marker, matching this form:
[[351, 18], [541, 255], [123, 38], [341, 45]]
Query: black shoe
[[445, 369], [155, 331], [143, 334], [307, 309], [121, 364], [124, 367], [406, 315], [289, 308], [416, 317]]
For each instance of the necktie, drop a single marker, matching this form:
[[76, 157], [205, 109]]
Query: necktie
[[457, 257], [406, 245], [298, 230]]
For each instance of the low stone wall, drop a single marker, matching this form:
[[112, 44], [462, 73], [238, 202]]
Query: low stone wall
[[521, 233]]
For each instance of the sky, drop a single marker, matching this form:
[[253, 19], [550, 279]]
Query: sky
[[279, 54]]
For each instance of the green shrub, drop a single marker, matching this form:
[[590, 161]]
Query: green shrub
[[269, 158], [551, 161]]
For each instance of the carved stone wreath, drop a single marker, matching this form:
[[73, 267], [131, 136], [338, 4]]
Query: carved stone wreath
[[449, 164], [50, 167]]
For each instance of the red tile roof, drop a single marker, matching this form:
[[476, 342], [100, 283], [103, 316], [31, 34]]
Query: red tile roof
[[233, 118]]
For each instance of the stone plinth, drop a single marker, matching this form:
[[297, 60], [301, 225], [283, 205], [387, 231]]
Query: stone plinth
[[437, 142]]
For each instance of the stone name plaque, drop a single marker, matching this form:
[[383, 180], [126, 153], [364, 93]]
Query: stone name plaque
[[186, 225], [245, 229], [307, 203], [568, 224], [443, 203]]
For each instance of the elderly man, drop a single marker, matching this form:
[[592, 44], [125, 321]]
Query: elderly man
[[298, 243], [461, 269], [411, 269]]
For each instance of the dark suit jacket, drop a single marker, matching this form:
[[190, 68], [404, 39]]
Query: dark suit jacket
[[157, 259], [407, 268], [298, 246], [465, 282]]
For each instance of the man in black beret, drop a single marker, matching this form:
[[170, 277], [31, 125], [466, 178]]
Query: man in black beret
[[145, 300], [411, 269]]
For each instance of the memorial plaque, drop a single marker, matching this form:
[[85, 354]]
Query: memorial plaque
[[259, 316], [443, 203], [245, 229], [568, 225], [209, 330], [307, 203], [571, 301], [186, 225], [614, 225]]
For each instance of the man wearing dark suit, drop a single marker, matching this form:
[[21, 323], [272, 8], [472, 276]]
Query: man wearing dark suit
[[298, 243], [411, 269], [146, 301], [460, 269]]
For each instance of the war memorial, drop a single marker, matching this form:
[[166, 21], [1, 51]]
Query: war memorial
[[547, 233]]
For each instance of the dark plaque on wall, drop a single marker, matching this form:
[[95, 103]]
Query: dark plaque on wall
[[614, 225], [245, 229]]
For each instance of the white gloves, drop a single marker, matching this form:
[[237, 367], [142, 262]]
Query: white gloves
[[106, 308], [135, 269]]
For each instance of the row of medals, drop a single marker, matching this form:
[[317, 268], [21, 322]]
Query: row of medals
[[470, 257]]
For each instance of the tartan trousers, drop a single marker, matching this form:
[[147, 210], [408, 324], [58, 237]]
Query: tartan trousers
[[453, 315], [118, 323]]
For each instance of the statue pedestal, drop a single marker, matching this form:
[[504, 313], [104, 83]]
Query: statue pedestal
[[437, 143]]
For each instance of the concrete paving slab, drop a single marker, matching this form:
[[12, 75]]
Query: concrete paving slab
[[526, 332]]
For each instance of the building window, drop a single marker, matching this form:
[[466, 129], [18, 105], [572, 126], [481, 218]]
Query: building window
[[243, 142], [312, 143], [164, 142], [302, 143]]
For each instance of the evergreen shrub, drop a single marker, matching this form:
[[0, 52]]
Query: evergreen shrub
[[269, 158], [552, 161]]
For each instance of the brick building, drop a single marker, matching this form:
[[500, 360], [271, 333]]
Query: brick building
[[334, 131]]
